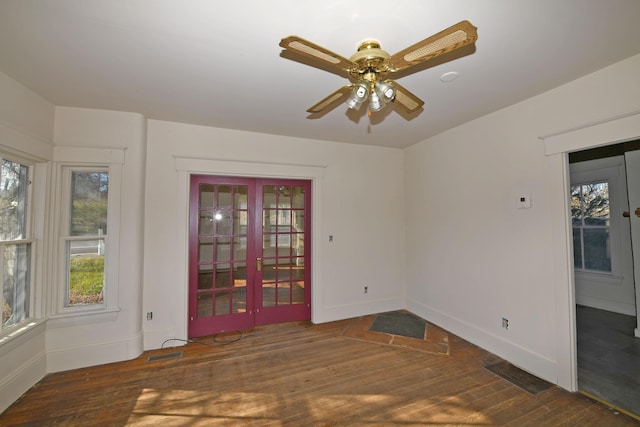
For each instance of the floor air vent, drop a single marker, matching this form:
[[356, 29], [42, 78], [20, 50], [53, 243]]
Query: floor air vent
[[165, 356]]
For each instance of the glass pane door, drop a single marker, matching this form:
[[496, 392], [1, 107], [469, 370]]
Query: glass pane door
[[249, 246], [284, 276], [220, 299]]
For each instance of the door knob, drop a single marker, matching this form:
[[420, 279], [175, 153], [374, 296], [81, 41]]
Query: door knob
[[259, 264], [626, 214]]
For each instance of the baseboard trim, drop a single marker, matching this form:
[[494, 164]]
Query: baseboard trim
[[22, 379], [64, 359], [517, 355], [348, 311]]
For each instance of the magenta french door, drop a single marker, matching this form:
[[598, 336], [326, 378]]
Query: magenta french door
[[249, 253]]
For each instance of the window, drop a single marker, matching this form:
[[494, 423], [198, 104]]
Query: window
[[85, 235], [15, 243], [591, 219], [87, 223]]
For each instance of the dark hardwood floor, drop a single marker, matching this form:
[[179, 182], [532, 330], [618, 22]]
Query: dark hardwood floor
[[299, 374], [609, 358]]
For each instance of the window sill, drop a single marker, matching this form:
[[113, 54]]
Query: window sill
[[22, 332], [606, 278], [84, 316]]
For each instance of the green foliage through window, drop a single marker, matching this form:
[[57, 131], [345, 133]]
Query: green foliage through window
[[86, 280], [86, 241]]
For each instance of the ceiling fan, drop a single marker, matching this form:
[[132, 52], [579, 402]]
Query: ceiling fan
[[370, 68]]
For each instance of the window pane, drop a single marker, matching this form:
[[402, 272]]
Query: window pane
[[240, 222], [223, 302], [205, 249], [269, 196], [576, 205], [590, 212], [284, 217], [85, 272], [206, 195], [298, 198], [297, 296], [15, 292], [89, 192], [205, 225], [597, 254], [205, 305], [225, 197], [596, 204], [223, 276], [240, 249], [224, 223], [205, 277], [284, 196], [239, 300], [13, 200], [577, 248], [284, 293], [241, 196]]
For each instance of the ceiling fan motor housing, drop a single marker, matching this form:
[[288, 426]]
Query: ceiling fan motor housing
[[373, 62]]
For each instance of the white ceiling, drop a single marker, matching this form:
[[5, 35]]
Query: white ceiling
[[218, 63]]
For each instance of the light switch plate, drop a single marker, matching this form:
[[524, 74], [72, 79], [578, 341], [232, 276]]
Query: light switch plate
[[524, 201]]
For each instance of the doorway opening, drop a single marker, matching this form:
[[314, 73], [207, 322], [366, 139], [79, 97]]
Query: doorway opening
[[606, 273]]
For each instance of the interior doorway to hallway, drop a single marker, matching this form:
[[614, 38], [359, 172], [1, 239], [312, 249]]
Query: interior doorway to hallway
[[606, 260]]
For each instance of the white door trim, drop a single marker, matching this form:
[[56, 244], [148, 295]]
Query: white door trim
[[185, 166], [621, 128]]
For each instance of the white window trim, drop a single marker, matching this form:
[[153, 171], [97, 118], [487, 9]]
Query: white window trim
[[66, 158]]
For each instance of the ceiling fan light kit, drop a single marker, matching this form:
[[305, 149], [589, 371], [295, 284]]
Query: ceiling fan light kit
[[359, 94], [370, 67]]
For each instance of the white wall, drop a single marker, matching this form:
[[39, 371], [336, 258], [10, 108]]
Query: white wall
[[26, 129], [472, 257], [26, 120], [357, 197], [78, 341]]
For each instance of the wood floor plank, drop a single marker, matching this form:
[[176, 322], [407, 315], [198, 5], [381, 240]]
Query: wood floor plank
[[299, 374]]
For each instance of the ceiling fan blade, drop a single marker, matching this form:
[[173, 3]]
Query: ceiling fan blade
[[313, 51], [461, 34], [406, 100], [331, 101]]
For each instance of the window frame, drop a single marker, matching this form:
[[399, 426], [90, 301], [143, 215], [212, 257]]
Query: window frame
[[610, 175], [67, 160], [65, 231], [583, 227], [27, 239]]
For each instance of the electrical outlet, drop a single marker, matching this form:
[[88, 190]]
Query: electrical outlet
[[505, 323], [150, 315], [366, 289]]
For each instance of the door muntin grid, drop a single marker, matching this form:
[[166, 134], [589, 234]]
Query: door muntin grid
[[222, 249], [283, 237]]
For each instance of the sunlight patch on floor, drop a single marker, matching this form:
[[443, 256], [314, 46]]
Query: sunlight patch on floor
[[193, 405]]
